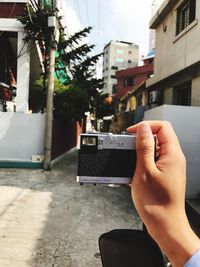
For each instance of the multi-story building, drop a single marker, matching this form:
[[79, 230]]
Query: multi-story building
[[129, 79], [176, 80], [117, 55], [176, 77]]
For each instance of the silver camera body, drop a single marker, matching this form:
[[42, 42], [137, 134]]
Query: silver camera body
[[106, 158]]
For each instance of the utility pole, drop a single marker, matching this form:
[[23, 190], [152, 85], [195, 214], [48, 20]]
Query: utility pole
[[52, 24]]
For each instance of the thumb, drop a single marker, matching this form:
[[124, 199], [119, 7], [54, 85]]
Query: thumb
[[145, 147]]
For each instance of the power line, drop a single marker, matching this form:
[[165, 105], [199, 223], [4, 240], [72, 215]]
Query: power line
[[79, 14], [13, 7], [87, 12], [99, 13]]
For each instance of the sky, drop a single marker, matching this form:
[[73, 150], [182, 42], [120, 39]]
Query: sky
[[118, 20], [124, 20]]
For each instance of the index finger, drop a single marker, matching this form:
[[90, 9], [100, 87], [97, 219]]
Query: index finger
[[166, 136]]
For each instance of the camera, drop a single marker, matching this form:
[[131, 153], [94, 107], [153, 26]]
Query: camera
[[106, 158]]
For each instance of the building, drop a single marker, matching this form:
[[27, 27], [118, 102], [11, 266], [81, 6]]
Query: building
[[117, 55], [132, 95], [11, 44], [130, 78], [176, 77], [154, 8], [22, 132]]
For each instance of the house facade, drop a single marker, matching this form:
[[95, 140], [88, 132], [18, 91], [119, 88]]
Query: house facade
[[128, 79], [132, 95], [176, 77], [117, 55], [22, 132], [19, 63]]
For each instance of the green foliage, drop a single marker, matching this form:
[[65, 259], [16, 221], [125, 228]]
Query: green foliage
[[71, 102], [81, 93], [103, 107], [37, 97], [35, 24]]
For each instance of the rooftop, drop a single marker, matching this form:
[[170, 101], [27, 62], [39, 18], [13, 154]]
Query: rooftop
[[165, 8]]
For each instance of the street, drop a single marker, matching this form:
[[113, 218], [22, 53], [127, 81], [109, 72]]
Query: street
[[47, 219]]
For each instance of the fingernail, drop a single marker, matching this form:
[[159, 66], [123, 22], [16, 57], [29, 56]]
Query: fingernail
[[143, 130]]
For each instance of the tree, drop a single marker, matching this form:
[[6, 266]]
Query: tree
[[79, 93]]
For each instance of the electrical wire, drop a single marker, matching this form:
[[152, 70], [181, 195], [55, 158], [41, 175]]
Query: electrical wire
[[79, 14], [99, 14], [9, 16], [75, 8], [87, 12]]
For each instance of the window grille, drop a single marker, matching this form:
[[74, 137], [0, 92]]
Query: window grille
[[185, 15]]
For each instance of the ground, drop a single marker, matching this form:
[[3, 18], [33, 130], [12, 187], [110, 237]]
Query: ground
[[47, 219]]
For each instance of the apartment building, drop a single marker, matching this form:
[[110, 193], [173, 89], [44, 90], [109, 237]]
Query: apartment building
[[176, 77], [117, 55]]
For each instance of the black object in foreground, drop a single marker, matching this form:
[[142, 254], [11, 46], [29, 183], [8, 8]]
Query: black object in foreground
[[129, 248]]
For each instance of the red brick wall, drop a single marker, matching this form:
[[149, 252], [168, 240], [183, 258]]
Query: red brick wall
[[11, 10]]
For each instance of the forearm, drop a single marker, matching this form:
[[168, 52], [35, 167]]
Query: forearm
[[177, 241]]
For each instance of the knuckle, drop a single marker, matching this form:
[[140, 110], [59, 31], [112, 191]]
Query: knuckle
[[167, 124]]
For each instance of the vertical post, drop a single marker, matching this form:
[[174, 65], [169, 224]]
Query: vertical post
[[49, 113], [52, 24]]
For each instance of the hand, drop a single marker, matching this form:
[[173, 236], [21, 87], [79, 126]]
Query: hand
[[158, 190]]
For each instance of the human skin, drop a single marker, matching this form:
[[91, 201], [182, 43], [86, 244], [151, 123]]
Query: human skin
[[158, 190]]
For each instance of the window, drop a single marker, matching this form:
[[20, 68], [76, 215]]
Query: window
[[119, 51], [185, 15], [129, 81], [130, 52], [114, 89], [8, 56], [182, 94], [113, 76], [119, 60], [139, 99], [114, 68], [129, 61]]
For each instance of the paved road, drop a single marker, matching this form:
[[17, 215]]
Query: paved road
[[46, 219]]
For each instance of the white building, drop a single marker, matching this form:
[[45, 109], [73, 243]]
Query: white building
[[117, 55]]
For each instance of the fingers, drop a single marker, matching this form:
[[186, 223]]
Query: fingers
[[145, 147], [166, 136]]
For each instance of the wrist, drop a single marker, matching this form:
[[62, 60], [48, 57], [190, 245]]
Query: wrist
[[177, 240]]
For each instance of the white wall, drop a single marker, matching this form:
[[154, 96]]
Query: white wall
[[186, 123], [21, 136]]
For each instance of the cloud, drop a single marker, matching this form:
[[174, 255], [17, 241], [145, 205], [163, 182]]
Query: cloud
[[125, 20], [128, 21], [71, 19]]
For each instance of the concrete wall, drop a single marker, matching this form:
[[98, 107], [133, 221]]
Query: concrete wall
[[186, 123], [21, 136], [168, 96], [174, 53], [195, 97]]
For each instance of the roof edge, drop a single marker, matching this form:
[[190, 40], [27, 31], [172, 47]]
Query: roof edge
[[165, 8]]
